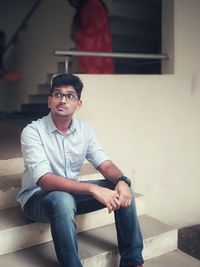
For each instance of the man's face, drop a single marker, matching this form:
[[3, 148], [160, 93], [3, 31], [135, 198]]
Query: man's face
[[64, 106]]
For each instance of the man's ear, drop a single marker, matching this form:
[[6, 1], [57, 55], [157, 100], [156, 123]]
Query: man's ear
[[79, 105], [49, 101]]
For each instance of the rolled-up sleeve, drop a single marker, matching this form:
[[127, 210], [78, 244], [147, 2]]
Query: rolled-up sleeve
[[95, 153], [35, 160]]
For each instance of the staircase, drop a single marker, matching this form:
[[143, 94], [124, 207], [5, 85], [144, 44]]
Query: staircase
[[26, 243], [136, 28], [37, 106]]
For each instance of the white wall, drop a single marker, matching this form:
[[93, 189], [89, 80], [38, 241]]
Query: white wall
[[148, 124]]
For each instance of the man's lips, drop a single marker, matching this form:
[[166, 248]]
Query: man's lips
[[60, 107]]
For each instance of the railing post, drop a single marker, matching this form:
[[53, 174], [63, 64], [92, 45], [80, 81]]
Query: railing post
[[67, 64]]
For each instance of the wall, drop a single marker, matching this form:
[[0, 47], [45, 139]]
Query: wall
[[168, 35], [150, 128], [12, 13], [148, 124], [49, 29]]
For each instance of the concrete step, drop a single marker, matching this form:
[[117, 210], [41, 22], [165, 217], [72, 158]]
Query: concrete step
[[10, 186], [72, 66], [17, 232], [49, 77], [13, 222], [189, 240], [18, 166], [38, 99], [11, 166], [138, 66], [98, 247], [9, 140], [134, 45], [175, 258], [43, 88], [28, 116], [35, 108], [61, 67], [136, 9], [10, 179], [135, 28]]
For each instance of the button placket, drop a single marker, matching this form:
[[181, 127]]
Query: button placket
[[66, 155]]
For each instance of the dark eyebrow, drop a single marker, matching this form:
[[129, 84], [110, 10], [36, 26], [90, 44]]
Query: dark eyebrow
[[58, 90], [72, 92]]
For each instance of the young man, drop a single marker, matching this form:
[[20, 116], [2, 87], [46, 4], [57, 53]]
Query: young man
[[54, 149]]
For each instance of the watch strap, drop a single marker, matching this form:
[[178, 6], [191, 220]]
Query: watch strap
[[124, 179]]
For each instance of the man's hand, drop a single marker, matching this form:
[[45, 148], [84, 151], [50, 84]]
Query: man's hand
[[124, 193], [108, 197]]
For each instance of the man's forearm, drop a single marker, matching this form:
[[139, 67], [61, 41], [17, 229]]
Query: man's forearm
[[110, 171], [51, 182], [108, 197]]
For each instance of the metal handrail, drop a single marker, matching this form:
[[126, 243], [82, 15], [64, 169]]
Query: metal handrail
[[108, 54], [74, 53]]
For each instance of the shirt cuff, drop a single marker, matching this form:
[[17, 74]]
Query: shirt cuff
[[40, 170]]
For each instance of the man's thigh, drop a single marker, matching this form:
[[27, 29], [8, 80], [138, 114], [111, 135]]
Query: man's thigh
[[42, 204]]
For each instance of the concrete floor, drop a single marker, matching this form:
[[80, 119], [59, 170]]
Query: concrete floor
[[9, 139]]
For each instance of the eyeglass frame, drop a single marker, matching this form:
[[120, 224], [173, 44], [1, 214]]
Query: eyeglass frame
[[65, 95]]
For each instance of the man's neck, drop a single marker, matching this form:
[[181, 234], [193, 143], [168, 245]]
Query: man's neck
[[62, 123]]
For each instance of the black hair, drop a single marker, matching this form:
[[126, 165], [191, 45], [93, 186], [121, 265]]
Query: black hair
[[67, 79]]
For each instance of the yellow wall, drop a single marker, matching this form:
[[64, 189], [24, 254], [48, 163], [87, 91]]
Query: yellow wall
[[150, 128]]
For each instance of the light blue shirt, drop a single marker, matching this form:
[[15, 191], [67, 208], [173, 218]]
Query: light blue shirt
[[46, 150]]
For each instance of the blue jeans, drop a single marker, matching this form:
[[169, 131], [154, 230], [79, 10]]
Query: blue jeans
[[60, 208]]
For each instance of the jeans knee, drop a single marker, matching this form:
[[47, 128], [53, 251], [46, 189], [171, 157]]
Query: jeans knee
[[61, 204]]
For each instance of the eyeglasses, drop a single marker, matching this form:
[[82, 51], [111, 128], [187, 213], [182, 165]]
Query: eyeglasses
[[69, 96]]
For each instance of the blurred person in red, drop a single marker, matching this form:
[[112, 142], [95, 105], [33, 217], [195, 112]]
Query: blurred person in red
[[92, 33]]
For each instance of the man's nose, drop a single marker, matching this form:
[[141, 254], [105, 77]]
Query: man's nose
[[63, 99]]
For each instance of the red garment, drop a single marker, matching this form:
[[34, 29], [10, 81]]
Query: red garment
[[92, 33]]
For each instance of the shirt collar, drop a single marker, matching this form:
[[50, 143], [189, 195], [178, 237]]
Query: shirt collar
[[52, 127], [73, 126]]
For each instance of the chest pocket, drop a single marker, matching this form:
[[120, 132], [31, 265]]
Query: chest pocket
[[76, 161]]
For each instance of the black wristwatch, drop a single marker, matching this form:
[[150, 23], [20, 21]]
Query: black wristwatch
[[125, 179]]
